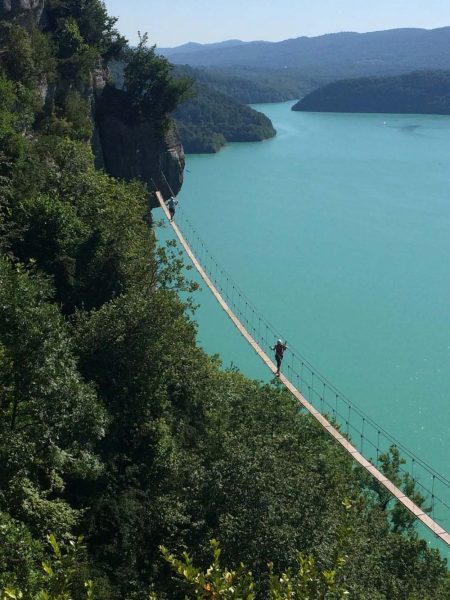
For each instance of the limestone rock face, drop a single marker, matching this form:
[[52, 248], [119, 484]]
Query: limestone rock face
[[26, 12], [132, 149], [124, 146]]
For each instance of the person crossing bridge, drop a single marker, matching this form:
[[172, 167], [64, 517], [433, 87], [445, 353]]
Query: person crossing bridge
[[279, 348]]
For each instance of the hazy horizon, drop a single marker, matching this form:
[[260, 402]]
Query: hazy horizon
[[207, 21], [296, 37]]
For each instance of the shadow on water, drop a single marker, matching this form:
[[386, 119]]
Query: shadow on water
[[404, 128], [411, 130]]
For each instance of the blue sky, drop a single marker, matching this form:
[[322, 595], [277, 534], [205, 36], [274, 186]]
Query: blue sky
[[174, 22]]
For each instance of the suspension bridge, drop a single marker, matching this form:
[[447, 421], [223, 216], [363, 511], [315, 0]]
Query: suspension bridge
[[363, 439]]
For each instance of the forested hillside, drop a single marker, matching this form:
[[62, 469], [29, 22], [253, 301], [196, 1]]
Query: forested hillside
[[114, 424], [253, 86], [211, 119], [421, 92]]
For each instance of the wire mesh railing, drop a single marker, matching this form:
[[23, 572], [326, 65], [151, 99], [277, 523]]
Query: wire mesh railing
[[369, 438]]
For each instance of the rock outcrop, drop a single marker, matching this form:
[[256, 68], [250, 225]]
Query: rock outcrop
[[132, 148], [123, 145], [25, 12]]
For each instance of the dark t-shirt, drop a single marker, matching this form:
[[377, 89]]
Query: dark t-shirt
[[279, 350]]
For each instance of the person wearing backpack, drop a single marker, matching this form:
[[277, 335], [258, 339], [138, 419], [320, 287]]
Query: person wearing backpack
[[171, 204]]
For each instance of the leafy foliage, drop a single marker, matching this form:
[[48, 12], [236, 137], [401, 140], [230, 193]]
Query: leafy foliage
[[27, 55], [59, 576], [49, 417], [305, 583], [75, 22], [149, 83], [19, 555], [83, 228], [211, 119]]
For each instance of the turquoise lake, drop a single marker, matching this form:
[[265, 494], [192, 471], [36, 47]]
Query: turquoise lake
[[338, 231]]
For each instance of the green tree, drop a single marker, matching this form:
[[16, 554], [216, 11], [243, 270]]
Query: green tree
[[402, 521], [50, 419], [210, 119], [20, 554], [87, 231], [58, 578], [95, 26], [305, 583], [153, 91]]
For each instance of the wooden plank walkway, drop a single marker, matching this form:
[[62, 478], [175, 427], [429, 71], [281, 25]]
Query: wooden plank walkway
[[396, 492]]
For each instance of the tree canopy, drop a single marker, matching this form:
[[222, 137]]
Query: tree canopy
[[421, 92], [149, 82], [211, 119]]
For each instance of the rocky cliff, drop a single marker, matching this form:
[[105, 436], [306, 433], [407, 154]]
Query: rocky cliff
[[25, 12], [124, 147], [136, 151], [131, 148]]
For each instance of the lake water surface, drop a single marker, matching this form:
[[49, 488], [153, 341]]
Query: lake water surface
[[338, 231]]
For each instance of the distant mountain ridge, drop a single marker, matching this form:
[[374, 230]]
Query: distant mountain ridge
[[331, 56], [192, 47]]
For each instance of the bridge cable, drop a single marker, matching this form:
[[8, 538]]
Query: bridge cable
[[314, 394]]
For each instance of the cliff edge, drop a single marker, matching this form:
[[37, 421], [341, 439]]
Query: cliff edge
[[131, 148], [24, 12], [124, 147]]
